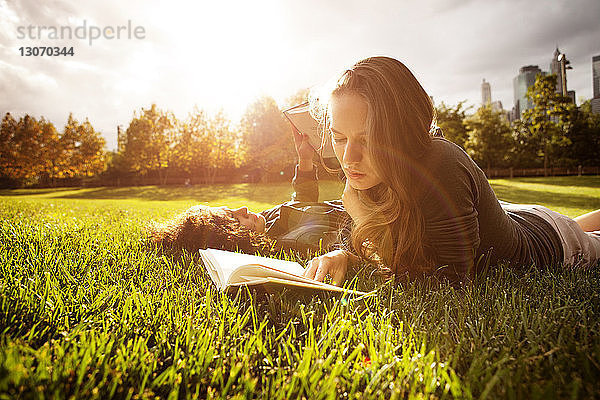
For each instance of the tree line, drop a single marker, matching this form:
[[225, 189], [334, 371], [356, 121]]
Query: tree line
[[33, 151], [156, 147], [554, 133]]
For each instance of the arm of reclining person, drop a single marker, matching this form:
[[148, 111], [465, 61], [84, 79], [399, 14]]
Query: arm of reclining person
[[306, 185], [305, 182]]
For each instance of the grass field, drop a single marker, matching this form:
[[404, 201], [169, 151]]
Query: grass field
[[88, 311]]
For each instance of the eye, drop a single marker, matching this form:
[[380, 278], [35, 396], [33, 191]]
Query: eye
[[339, 139]]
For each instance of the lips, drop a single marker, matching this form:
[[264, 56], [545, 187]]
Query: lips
[[352, 174]]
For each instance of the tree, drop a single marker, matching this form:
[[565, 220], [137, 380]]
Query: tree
[[32, 150], [150, 140], [266, 137], [584, 135], [82, 151], [28, 147], [452, 122], [51, 153], [548, 120], [194, 146], [524, 152], [8, 147], [27, 144], [224, 146], [490, 140]]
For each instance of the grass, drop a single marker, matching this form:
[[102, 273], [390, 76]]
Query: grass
[[87, 311]]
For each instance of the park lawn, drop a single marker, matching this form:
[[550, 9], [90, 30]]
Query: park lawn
[[88, 310]]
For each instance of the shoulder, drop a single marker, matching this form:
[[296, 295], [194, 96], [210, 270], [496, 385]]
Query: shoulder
[[448, 162], [451, 178], [447, 152]]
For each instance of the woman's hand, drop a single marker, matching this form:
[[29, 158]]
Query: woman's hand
[[334, 263], [304, 150]]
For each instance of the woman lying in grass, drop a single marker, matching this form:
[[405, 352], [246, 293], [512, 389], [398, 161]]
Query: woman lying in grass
[[418, 202], [293, 225]]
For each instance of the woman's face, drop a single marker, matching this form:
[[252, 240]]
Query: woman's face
[[349, 138], [249, 219]]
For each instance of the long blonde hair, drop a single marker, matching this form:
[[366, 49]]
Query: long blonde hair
[[400, 120]]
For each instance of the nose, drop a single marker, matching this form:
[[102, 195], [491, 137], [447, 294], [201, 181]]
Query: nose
[[241, 212], [353, 152]]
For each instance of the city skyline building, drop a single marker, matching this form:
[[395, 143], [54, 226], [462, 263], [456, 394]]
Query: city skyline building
[[596, 84], [486, 93], [559, 66], [596, 76], [521, 82], [555, 68]]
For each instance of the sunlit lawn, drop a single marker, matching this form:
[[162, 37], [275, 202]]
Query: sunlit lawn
[[88, 311]]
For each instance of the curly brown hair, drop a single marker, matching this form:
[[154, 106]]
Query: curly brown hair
[[202, 227]]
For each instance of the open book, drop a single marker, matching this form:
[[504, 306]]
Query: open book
[[229, 269], [299, 116]]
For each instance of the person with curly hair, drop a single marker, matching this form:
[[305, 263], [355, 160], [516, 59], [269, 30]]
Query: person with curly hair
[[202, 227], [301, 226]]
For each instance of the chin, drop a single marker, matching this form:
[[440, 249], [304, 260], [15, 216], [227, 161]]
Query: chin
[[262, 222], [358, 185]]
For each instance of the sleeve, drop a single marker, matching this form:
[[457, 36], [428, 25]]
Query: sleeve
[[451, 218], [306, 185]]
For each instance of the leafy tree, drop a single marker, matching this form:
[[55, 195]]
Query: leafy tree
[[82, 150], [224, 146], [51, 153], [32, 150], [584, 135], [8, 147], [27, 144], [548, 120], [452, 122], [490, 141], [150, 140], [266, 137], [28, 149], [194, 146], [524, 153]]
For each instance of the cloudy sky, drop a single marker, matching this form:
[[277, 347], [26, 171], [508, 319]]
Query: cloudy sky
[[223, 54]]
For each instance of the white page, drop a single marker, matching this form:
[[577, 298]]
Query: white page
[[228, 262], [257, 271], [300, 117], [212, 267]]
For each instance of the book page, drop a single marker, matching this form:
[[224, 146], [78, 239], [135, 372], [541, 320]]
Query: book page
[[257, 271], [300, 117], [212, 268], [226, 262]]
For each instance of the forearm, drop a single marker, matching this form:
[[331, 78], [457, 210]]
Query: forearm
[[305, 183], [305, 165]]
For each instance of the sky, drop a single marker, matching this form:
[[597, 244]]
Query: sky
[[222, 55]]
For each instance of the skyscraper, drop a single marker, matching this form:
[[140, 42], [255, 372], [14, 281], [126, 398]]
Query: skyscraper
[[559, 66], [596, 75], [486, 93], [596, 84], [521, 83], [555, 68]]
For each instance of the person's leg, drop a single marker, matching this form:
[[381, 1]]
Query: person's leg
[[580, 248], [589, 222]]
